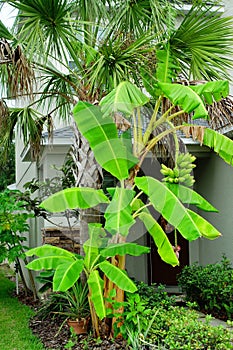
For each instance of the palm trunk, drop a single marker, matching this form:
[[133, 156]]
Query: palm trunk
[[87, 173]]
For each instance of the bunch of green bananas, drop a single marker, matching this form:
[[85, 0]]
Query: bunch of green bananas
[[181, 173]]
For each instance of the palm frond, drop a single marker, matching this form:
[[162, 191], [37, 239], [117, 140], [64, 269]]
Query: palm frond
[[30, 124], [117, 60], [203, 44], [137, 17], [57, 90], [45, 26], [5, 33], [17, 74]]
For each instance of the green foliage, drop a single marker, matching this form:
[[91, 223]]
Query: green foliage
[[121, 208], [198, 26], [154, 296], [151, 319], [134, 309], [13, 222], [166, 68], [75, 300], [72, 304], [118, 214], [7, 171], [68, 266], [220, 144], [169, 206], [189, 196], [211, 287], [72, 198], [179, 328], [101, 133], [161, 240], [124, 98], [46, 279]]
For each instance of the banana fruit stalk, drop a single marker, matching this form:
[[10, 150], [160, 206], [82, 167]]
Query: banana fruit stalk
[[181, 172]]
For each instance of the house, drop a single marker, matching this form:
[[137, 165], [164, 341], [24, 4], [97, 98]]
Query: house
[[214, 182]]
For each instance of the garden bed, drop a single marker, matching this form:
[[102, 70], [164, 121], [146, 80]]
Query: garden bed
[[174, 328], [53, 336]]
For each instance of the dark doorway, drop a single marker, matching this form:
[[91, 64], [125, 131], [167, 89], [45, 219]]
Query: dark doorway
[[158, 270]]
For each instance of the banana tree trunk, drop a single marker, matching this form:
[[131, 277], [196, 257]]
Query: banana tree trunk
[[118, 261]]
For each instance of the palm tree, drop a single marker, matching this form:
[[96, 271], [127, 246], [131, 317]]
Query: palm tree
[[63, 51]]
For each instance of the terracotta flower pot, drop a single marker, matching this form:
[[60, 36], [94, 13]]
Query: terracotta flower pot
[[79, 326]]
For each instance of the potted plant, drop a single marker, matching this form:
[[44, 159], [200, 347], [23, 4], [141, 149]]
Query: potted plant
[[76, 307]]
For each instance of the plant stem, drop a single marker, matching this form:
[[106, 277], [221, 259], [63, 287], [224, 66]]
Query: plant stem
[[151, 126], [94, 318]]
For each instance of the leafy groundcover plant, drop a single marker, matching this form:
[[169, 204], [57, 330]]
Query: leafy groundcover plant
[[211, 287], [179, 328]]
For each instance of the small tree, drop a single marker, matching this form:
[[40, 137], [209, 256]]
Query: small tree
[[7, 171], [13, 226]]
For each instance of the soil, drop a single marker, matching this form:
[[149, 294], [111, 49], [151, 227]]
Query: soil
[[54, 335]]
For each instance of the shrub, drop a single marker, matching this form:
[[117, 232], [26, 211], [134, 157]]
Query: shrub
[[154, 296], [140, 307], [211, 287]]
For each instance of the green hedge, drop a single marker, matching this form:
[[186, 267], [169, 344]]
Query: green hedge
[[211, 287]]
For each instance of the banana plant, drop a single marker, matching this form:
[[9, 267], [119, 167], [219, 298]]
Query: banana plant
[[69, 266], [116, 154]]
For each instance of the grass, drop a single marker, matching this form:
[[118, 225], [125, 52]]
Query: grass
[[15, 333]]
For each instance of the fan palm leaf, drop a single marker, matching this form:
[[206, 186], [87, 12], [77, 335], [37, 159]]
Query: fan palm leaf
[[203, 44], [137, 17], [45, 26]]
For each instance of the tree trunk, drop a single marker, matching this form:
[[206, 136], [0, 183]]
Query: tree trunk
[[87, 173]]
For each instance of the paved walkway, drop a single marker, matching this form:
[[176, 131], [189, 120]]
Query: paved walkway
[[215, 321]]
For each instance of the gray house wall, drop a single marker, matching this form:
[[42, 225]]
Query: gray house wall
[[215, 183]]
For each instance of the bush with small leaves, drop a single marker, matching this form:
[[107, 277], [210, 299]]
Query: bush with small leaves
[[211, 287]]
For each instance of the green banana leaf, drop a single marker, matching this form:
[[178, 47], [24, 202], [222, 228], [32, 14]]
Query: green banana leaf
[[220, 144], [124, 98], [189, 196], [117, 276], [48, 263], [212, 91], [49, 250], [122, 249], [66, 275], [92, 245], [163, 244], [167, 204], [166, 70], [166, 67], [207, 230], [101, 133], [137, 204], [73, 198], [186, 98], [118, 214], [96, 285]]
